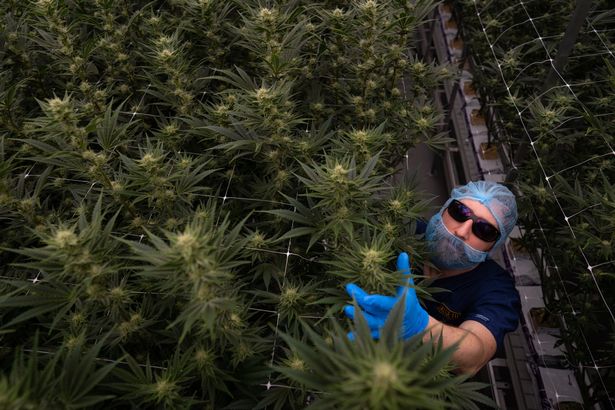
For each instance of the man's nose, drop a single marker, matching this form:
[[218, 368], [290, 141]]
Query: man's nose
[[463, 230]]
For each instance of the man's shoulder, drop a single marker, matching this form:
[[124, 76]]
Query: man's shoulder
[[421, 226], [493, 268], [493, 274]]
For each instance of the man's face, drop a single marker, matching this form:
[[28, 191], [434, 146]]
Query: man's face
[[463, 230]]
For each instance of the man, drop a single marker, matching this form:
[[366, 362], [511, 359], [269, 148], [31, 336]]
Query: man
[[482, 304]]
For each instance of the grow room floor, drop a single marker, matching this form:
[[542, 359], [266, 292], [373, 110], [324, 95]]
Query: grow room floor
[[426, 168]]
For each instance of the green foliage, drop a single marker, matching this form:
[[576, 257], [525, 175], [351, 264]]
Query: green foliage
[[566, 201], [182, 181], [144, 385], [69, 379], [364, 262], [387, 374]]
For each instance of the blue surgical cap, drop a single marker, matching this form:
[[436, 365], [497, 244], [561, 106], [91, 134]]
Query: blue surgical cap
[[497, 198]]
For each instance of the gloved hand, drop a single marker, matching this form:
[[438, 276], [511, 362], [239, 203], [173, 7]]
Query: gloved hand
[[376, 308]]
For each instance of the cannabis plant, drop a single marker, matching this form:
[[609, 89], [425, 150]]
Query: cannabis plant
[[183, 182], [565, 182], [388, 374]]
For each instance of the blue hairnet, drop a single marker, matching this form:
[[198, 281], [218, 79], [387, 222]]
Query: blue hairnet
[[497, 198]]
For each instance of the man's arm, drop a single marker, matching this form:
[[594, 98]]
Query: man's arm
[[477, 344]]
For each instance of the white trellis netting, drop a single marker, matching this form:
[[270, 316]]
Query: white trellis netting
[[494, 38], [90, 193]]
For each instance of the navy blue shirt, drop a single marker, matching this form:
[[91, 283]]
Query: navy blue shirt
[[486, 294]]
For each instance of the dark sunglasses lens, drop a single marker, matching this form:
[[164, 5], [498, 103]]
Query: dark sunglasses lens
[[485, 231], [459, 211], [481, 228]]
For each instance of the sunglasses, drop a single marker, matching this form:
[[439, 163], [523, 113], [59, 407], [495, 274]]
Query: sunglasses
[[480, 227]]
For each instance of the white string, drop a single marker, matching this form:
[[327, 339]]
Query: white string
[[134, 113], [99, 359], [567, 85], [589, 267], [580, 163], [287, 254], [27, 173], [582, 210], [228, 185], [555, 69], [533, 63], [224, 199], [573, 118], [563, 287], [510, 28], [600, 38], [277, 322], [193, 194], [538, 158], [547, 178]]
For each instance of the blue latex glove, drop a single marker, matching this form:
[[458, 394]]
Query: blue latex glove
[[376, 308], [375, 320]]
